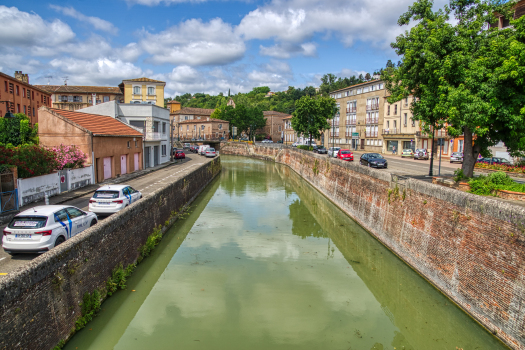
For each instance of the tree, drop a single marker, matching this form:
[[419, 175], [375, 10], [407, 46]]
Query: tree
[[17, 131], [311, 116], [449, 69], [368, 77]]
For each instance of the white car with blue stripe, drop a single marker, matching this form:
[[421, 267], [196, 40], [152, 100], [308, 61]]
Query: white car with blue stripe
[[39, 229], [112, 198]]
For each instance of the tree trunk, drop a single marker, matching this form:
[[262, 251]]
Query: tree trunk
[[470, 154], [431, 169]]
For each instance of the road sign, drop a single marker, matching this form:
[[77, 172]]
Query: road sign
[[355, 134]]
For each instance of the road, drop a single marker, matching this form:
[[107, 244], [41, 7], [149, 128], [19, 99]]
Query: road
[[145, 184]]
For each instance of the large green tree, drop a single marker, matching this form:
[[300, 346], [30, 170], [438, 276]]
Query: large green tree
[[246, 120], [311, 115], [449, 69], [17, 131]]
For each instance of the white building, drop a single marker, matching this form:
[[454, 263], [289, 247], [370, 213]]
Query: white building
[[153, 121]]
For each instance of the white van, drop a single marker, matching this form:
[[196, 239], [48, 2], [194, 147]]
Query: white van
[[202, 149]]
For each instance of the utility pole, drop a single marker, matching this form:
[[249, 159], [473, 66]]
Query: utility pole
[[171, 140]]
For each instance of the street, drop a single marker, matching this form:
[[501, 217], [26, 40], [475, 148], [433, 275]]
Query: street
[[145, 184]]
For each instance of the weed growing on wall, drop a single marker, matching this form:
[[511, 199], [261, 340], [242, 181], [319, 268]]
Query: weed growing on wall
[[152, 241], [315, 169], [90, 305]]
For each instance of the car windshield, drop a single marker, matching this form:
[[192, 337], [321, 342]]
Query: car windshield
[[407, 150], [28, 222], [457, 154], [375, 155], [106, 194], [320, 147], [345, 152], [210, 150]]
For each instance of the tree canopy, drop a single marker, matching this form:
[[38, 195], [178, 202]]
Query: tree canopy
[[17, 131], [463, 76], [246, 120], [311, 115]]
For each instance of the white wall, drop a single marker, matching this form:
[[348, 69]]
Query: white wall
[[80, 177], [33, 189]]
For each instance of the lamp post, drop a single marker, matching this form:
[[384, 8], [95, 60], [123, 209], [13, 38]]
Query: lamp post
[[336, 110]]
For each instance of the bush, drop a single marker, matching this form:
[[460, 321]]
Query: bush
[[31, 160], [69, 157], [305, 147], [489, 185]]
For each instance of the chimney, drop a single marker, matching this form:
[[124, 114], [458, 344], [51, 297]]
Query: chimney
[[22, 77]]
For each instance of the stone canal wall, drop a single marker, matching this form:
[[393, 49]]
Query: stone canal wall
[[40, 304], [472, 248]]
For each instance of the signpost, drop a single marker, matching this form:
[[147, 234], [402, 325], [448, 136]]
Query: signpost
[[441, 143]]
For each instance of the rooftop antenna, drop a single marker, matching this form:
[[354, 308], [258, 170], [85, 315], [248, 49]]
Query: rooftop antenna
[[49, 77], [65, 80]]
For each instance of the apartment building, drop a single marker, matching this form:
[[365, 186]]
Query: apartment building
[[205, 128], [400, 130], [274, 125], [290, 136], [72, 98], [18, 96], [359, 123], [143, 91]]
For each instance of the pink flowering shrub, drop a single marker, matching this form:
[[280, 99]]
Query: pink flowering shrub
[[69, 157]]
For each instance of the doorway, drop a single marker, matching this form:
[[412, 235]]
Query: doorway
[[123, 164], [146, 157], [156, 160], [107, 168]]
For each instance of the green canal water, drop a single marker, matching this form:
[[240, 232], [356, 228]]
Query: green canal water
[[265, 262]]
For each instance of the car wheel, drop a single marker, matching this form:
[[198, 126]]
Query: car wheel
[[369, 165], [93, 223], [59, 240]]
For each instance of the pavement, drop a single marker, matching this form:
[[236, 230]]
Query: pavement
[[146, 181]]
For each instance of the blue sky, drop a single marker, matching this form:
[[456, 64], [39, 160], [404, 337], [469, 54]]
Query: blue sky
[[197, 45]]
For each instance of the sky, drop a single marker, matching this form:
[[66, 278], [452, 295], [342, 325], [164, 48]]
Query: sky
[[207, 46]]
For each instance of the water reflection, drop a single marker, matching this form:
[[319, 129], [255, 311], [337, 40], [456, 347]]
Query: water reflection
[[271, 264]]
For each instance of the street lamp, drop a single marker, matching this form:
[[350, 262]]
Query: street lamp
[[336, 110]]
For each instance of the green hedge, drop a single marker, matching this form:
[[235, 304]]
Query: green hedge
[[307, 148], [488, 185]]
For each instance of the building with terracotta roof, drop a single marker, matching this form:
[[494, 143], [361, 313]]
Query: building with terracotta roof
[[274, 125], [19, 96], [202, 129], [143, 91], [114, 147], [290, 136], [70, 97]]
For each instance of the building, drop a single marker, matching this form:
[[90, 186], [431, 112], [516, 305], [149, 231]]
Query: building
[[400, 130], [143, 90], [152, 121], [359, 123], [205, 128], [174, 106], [503, 22], [274, 125], [112, 146], [188, 114], [290, 136], [18, 96], [72, 98]]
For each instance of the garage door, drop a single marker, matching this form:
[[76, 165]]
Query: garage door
[[107, 168], [123, 164], [136, 161]]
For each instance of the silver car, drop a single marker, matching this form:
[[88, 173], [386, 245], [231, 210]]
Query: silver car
[[332, 151], [210, 152], [456, 157], [421, 154]]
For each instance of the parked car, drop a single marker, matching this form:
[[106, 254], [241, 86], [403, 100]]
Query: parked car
[[456, 157], [294, 144], [202, 149], [41, 228], [187, 145], [267, 141], [179, 154], [113, 198], [210, 152], [320, 149], [332, 151], [494, 160], [407, 153], [421, 154], [194, 148], [373, 160], [345, 154]]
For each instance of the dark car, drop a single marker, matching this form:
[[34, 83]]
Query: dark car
[[179, 154], [494, 160], [374, 160], [320, 149]]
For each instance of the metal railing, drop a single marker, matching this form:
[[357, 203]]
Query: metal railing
[[390, 131], [372, 120], [371, 134], [335, 122], [8, 201], [351, 121], [351, 110], [154, 136], [372, 106]]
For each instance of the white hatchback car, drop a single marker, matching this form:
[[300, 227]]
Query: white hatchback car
[[39, 229], [112, 198]]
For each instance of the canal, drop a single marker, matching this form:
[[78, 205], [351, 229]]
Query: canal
[[263, 261]]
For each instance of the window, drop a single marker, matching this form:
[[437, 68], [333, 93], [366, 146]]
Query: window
[[155, 126], [388, 124], [413, 122], [18, 108], [136, 144], [23, 92], [163, 128], [395, 109], [33, 111], [388, 110], [406, 119], [187, 128], [395, 124], [77, 98], [129, 144], [136, 90], [17, 91], [460, 146], [106, 98], [74, 213], [70, 99], [5, 82], [151, 91], [61, 216], [220, 127], [25, 111], [11, 88], [32, 95], [279, 128], [137, 124], [163, 150]]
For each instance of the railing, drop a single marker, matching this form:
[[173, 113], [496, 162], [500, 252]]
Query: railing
[[154, 136], [335, 122], [372, 106], [8, 201], [390, 131], [372, 120], [332, 134], [351, 110], [371, 134], [351, 121]]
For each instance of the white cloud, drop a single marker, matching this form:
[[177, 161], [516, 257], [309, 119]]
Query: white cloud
[[129, 53], [194, 43], [96, 22], [103, 71], [27, 29], [287, 50], [157, 2]]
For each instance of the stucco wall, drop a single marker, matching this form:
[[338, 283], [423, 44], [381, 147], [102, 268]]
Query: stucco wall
[[469, 247], [115, 147], [40, 303]]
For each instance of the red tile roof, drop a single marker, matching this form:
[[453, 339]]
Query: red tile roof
[[279, 114], [144, 79], [80, 89], [97, 124], [194, 111]]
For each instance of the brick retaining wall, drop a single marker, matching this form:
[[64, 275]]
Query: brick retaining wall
[[469, 247], [39, 304]]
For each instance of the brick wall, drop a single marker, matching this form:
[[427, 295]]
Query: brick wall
[[469, 247], [39, 304]]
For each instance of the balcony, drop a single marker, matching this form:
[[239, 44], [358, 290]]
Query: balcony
[[390, 131], [351, 121], [371, 134], [334, 135], [372, 120], [372, 107], [155, 136], [351, 110], [335, 123]]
